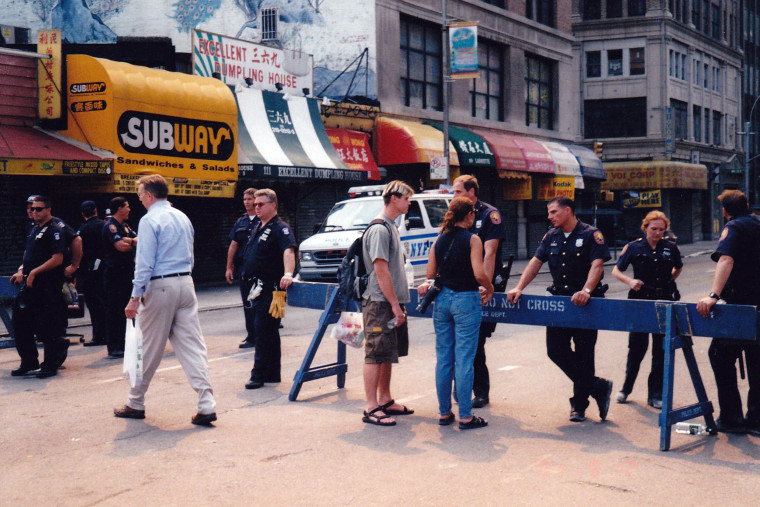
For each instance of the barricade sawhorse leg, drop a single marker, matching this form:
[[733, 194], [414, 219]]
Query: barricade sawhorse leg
[[305, 373], [678, 336]]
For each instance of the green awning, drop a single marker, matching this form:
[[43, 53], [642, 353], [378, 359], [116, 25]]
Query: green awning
[[473, 150]]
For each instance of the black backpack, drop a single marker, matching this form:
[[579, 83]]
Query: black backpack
[[352, 274]]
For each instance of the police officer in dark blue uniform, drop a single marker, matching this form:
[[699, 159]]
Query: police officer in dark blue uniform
[[119, 246], [656, 264], [488, 226], [239, 235], [268, 264], [736, 281], [576, 254], [40, 308], [91, 273]]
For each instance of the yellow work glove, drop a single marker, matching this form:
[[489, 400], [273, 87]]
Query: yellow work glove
[[277, 308]]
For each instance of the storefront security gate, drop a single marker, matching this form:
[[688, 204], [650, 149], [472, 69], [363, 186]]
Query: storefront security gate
[[678, 321]]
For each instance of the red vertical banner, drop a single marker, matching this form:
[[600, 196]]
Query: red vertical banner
[[49, 74]]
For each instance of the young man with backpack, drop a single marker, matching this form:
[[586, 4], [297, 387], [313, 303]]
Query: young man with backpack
[[382, 302]]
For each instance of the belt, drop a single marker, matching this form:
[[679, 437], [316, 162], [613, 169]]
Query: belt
[[173, 275]]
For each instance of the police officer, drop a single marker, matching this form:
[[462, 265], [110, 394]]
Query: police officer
[[239, 235], [40, 308], [576, 254], [91, 274], [119, 246], [268, 263], [656, 264], [490, 230], [737, 281]]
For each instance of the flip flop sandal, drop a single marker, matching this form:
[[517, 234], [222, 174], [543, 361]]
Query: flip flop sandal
[[394, 411], [371, 417]]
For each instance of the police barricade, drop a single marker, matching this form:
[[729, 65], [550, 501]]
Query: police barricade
[[7, 297], [679, 322]]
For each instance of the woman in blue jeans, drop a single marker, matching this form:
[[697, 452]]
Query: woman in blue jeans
[[457, 259]]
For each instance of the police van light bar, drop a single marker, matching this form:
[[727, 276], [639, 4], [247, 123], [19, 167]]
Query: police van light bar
[[366, 191]]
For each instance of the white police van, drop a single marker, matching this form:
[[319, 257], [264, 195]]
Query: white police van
[[320, 255]]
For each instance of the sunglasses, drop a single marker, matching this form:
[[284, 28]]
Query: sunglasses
[[257, 204], [38, 208]]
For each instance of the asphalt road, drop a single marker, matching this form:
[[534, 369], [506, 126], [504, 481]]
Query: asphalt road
[[60, 444]]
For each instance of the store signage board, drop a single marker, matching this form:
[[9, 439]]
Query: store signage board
[[49, 74]]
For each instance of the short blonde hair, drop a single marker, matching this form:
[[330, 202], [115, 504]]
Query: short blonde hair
[[269, 193], [654, 215], [397, 188]]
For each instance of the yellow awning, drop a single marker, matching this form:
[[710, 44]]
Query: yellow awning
[[401, 142], [518, 175], [643, 175]]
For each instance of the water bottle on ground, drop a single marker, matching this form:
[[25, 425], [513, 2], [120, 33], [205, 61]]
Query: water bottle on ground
[[687, 428]]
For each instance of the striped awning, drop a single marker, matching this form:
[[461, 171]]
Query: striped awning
[[591, 166], [282, 137], [565, 163]]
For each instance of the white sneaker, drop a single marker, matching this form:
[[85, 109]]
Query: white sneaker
[[621, 397]]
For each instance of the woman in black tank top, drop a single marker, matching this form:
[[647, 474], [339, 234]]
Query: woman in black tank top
[[457, 259]]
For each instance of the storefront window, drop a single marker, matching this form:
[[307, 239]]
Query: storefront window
[[539, 104], [421, 77]]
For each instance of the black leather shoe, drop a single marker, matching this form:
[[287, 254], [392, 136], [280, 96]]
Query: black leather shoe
[[116, 354], [203, 419], [254, 384], [127, 412], [46, 373], [246, 345], [22, 370], [93, 343], [576, 416], [479, 402], [731, 427]]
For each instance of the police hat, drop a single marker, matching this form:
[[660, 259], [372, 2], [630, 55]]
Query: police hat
[[88, 207]]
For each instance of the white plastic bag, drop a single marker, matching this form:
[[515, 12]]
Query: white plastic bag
[[349, 329], [133, 353]]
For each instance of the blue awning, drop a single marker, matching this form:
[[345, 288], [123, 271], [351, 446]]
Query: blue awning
[[591, 166]]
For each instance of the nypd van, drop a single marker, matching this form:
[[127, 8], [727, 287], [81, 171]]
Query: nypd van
[[320, 255]]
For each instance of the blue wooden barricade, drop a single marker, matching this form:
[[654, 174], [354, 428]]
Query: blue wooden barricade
[[677, 321], [7, 297]]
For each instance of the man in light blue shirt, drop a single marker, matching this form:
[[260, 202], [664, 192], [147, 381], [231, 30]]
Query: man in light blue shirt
[[164, 296]]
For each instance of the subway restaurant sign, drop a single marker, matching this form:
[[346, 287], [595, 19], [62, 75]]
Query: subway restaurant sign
[[176, 125]]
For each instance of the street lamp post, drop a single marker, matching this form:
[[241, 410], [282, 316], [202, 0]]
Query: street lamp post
[[747, 132]]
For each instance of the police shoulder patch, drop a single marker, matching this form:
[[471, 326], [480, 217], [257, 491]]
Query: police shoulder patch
[[57, 235], [723, 234], [495, 217], [285, 231], [599, 237], [112, 228]]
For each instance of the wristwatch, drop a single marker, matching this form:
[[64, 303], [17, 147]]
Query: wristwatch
[[713, 295], [587, 290]]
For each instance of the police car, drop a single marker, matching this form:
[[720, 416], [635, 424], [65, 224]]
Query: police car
[[320, 255]]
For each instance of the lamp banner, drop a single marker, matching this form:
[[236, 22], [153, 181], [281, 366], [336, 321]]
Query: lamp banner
[[558, 186], [463, 50], [49, 74]]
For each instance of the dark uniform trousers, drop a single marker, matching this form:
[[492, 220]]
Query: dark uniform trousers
[[43, 315], [577, 363], [91, 285], [723, 355], [118, 288], [481, 385], [266, 360]]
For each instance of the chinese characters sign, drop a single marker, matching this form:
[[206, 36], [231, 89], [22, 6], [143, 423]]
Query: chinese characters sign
[[463, 50], [49, 74], [237, 60]]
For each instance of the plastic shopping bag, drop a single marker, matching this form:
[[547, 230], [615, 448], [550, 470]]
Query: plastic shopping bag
[[133, 353], [349, 329]]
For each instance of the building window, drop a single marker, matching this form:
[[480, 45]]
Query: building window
[[421, 81], [697, 124], [716, 79], [695, 13], [637, 7], [715, 21], [486, 92], [593, 64], [717, 122], [680, 119], [695, 79], [497, 3], [615, 118], [592, 9], [541, 11], [615, 62], [707, 126], [539, 104], [614, 8], [706, 75], [637, 62], [705, 16]]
